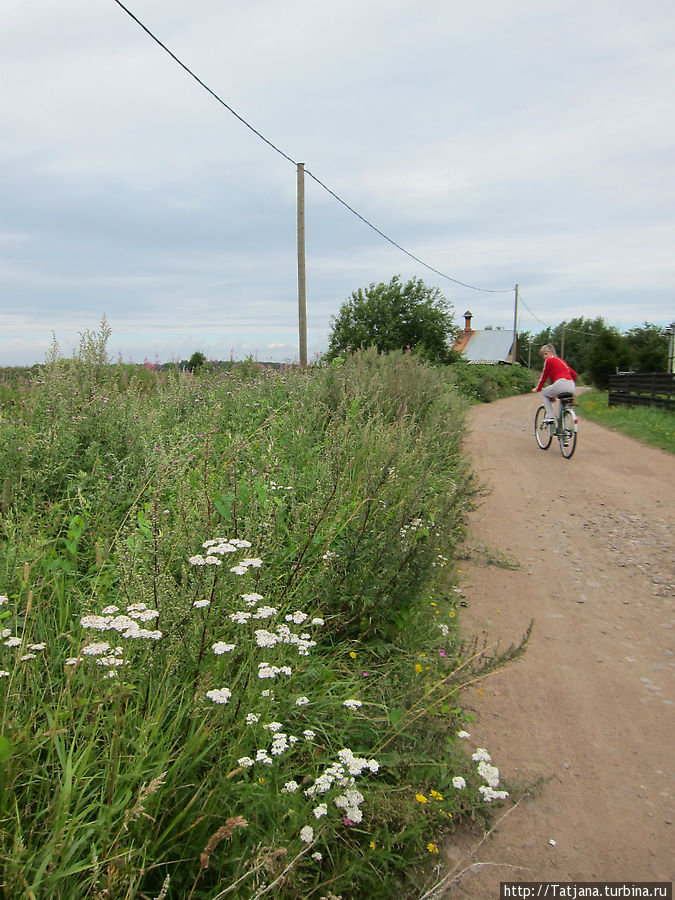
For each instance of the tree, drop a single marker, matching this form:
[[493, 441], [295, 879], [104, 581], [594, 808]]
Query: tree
[[196, 361], [610, 353], [648, 347], [394, 316]]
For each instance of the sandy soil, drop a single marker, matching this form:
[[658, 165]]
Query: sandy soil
[[590, 707]]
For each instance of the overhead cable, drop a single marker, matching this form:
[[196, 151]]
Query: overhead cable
[[291, 160]]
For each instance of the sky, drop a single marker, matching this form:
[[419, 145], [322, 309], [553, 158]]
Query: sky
[[529, 142]]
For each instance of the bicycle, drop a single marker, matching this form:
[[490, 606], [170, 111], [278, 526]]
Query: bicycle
[[564, 427]]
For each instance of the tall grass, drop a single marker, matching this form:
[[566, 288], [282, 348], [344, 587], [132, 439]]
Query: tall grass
[[649, 424], [229, 665]]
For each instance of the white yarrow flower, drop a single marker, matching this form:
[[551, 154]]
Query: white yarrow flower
[[458, 782], [307, 834], [352, 704], [464, 735], [221, 647], [219, 695], [481, 754], [200, 604]]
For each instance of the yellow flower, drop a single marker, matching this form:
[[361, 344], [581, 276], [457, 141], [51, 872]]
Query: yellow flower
[[432, 603], [421, 798], [432, 848], [352, 654], [436, 795], [372, 845], [452, 614], [418, 668]]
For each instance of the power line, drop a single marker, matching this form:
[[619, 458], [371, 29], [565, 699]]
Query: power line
[[291, 160]]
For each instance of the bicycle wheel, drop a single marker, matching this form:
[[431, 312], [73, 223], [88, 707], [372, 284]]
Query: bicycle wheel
[[568, 438], [542, 432]]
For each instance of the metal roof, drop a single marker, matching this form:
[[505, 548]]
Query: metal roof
[[489, 346]]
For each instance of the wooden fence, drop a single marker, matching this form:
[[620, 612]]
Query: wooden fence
[[648, 389]]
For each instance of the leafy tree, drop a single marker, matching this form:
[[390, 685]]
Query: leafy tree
[[609, 354], [648, 346], [196, 361], [394, 316]]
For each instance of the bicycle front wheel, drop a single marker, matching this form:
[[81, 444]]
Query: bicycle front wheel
[[542, 432], [568, 438]]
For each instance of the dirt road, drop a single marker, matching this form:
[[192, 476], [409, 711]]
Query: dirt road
[[590, 707]]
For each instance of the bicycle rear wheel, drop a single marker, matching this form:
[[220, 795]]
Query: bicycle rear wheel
[[568, 438], [542, 432]]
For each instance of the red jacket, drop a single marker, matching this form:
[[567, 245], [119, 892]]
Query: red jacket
[[555, 368]]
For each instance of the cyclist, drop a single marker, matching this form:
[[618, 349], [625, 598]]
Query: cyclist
[[562, 377]]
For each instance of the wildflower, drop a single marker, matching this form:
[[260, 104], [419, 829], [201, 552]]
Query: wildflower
[[421, 798], [110, 610], [5, 632], [197, 560], [72, 660], [253, 563], [488, 773], [489, 794], [317, 856], [458, 782], [418, 668], [317, 621], [352, 704], [27, 656], [274, 726], [290, 787], [265, 638], [12, 642], [436, 795], [240, 617], [246, 762], [239, 570], [200, 604], [432, 848], [221, 647], [212, 561], [352, 654], [96, 649], [219, 695], [464, 735], [302, 701], [481, 754], [452, 614], [262, 756], [297, 617], [3, 600], [251, 599], [307, 834], [372, 845], [321, 810], [309, 734], [4, 673], [265, 612], [252, 718]]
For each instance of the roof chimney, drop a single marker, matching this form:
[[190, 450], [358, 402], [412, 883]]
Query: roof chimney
[[468, 315]]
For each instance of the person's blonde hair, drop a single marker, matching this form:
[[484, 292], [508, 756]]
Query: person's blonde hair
[[547, 348]]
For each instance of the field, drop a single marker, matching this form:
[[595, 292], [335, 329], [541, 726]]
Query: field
[[230, 665], [649, 424]]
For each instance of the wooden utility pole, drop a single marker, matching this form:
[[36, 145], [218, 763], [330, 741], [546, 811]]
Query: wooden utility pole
[[562, 342], [302, 289], [514, 354]]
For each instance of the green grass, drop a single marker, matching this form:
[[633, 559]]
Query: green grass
[[648, 424], [136, 757]]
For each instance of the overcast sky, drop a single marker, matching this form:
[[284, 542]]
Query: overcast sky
[[527, 142]]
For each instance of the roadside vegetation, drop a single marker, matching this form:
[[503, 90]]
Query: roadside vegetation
[[646, 423], [229, 663]]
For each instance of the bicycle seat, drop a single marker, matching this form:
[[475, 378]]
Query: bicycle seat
[[565, 398]]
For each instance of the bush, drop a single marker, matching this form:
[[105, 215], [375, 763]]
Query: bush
[[487, 383]]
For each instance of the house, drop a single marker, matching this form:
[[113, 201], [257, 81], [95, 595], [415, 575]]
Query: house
[[492, 346]]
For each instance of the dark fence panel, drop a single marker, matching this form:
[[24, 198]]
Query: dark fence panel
[[643, 389]]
